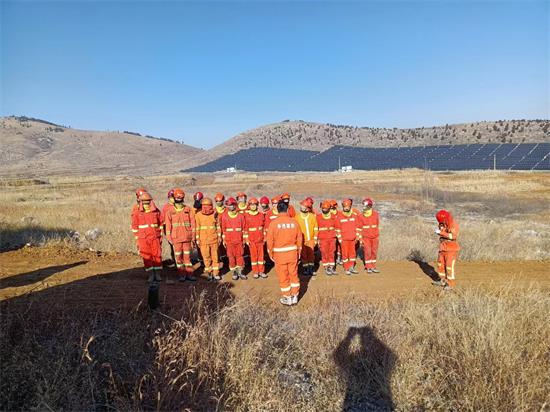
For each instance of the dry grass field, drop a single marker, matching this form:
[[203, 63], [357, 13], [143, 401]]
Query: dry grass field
[[76, 333]]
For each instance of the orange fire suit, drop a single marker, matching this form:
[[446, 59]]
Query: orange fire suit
[[346, 232], [284, 244], [327, 238], [146, 227], [180, 230], [448, 252], [310, 230], [232, 228], [369, 235], [207, 237], [254, 236]]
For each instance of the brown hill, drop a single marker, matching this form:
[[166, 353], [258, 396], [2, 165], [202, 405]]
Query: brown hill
[[317, 136], [33, 147]]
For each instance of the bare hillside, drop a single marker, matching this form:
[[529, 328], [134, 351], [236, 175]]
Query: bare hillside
[[32, 147], [317, 136]]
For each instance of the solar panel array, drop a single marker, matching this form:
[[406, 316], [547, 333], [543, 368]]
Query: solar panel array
[[506, 156]]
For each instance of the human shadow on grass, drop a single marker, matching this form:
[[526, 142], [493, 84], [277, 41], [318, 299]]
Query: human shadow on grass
[[417, 257], [366, 365], [27, 278]]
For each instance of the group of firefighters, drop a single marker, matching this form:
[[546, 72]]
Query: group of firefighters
[[239, 227]]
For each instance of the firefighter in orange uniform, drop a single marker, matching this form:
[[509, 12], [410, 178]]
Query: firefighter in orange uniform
[[285, 197], [254, 238], [180, 230], [284, 244], [241, 202], [448, 249], [146, 225], [232, 228], [369, 235], [348, 222], [308, 226], [169, 205], [327, 237], [208, 237], [264, 204]]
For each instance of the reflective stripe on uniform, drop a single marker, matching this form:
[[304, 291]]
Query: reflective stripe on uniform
[[206, 227], [181, 224], [253, 229], [326, 228], [285, 249], [285, 289], [294, 285]]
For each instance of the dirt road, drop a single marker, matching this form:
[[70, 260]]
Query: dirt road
[[72, 278]]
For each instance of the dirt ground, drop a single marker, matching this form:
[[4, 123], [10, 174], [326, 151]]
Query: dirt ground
[[69, 278]]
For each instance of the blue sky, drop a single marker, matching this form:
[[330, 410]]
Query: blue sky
[[203, 71]]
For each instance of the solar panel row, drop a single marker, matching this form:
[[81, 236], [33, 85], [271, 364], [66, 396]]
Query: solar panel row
[[528, 156]]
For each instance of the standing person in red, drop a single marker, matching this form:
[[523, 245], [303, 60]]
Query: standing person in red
[[285, 197], [284, 244], [197, 199], [146, 225], [232, 228], [448, 249], [254, 238], [348, 222], [180, 230], [326, 224], [169, 205], [220, 210], [369, 235], [220, 207]]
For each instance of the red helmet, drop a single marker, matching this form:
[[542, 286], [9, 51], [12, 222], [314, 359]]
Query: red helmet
[[253, 200], [275, 199], [325, 204], [310, 200], [347, 203], [264, 200], [285, 196], [219, 197], [333, 203], [140, 191], [179, 194], [305, 203], [170, 193], [443, 216], [368, 201], [241, 194], [198, 196], [145, 196], [231, 201]]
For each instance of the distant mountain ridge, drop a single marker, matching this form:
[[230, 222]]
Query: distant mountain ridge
[[35, 147], [32, 146]]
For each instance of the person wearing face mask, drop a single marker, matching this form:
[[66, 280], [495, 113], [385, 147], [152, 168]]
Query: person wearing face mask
[[369, 235], [308, 226], [327, 237], [146, 226], [232, 228], [264, 204], [347, 235], [254, 238], [208, 238], [180, 230], [242, 205]]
